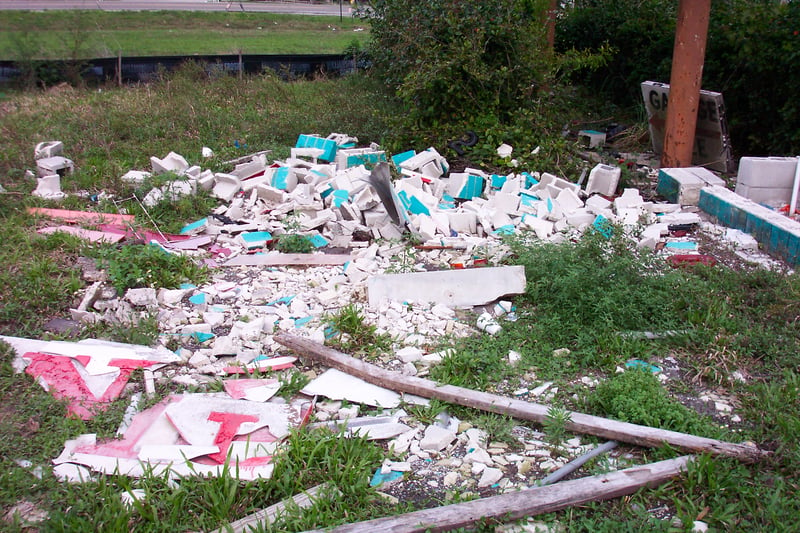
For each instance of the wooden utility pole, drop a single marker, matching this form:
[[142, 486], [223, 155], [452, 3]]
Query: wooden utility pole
[[685, 81]]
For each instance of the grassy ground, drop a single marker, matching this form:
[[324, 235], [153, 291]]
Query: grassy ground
[[87, 34], [580, 296]]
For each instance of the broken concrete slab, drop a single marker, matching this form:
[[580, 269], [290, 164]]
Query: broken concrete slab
[[455, 288], [171, 163]]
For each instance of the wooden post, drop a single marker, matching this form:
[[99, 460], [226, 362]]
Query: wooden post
[[513, 506], [685, 82], [119, 68], [579, 422], [241, 64]]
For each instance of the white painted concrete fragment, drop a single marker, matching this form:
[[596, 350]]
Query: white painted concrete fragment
[[468, 287], [337, 385]]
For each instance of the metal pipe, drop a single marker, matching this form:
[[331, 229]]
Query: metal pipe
[[576, 463], [685, 81]]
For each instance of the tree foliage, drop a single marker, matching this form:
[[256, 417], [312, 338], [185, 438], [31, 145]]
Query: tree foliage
[[751, 57], [448, 57]]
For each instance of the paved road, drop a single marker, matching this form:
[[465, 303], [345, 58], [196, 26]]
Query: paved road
[[297, 8]]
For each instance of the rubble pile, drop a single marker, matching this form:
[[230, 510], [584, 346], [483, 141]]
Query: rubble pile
[[342, 199]]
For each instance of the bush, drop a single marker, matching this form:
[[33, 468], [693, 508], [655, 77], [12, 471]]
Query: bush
[[148, 265], [445, 57]]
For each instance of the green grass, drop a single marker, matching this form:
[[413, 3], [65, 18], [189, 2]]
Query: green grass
[[89, 34]]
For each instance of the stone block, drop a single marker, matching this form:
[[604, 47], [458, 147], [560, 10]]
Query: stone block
[[436, 438], [603, 179]]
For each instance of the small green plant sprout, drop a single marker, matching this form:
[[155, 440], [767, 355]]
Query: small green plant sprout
[[293, 243], [149, 266], [351, 333], [555, 426], [292, 382]]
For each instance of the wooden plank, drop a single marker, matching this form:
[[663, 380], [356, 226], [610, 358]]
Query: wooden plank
[[579, 422], [289, 260], [81, 216], [513, 506], [267, 516]]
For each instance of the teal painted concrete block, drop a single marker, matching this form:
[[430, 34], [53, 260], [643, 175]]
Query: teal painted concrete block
[[327, 146]]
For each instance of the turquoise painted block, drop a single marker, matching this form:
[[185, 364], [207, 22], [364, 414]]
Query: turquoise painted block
[[404, 156], [472, 187], [528, 199], [418, 208], [530, 181], [690, 246], [327, 146], [300, 322], [201, 337], [327, 192], [282, 300], [188, 228], [198, 299], [340, 196], [508, 229], [667, 187], [255, 239], [498, 181], [448, 202], [280, 178], [602, 225], [185, 286], [318, 241], [370, 159]]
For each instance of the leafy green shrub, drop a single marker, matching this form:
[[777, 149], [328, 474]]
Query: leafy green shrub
[[149, 266], [447, 56], [636, 396]]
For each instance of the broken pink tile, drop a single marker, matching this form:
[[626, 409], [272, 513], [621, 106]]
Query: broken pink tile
[[254, 390]]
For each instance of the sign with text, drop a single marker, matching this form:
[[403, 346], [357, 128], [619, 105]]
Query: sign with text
[[712, 146]]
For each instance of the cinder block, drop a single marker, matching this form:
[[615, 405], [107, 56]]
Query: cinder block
[[775, 172], [328, 146], [591, 138], [603, 179], [48, 149], [54, 165]]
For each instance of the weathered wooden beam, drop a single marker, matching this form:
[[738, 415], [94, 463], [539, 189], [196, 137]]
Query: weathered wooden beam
[[578, 423], [267, 516], [529, 502]]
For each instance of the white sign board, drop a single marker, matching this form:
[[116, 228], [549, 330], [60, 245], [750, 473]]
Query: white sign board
[[712, 146]]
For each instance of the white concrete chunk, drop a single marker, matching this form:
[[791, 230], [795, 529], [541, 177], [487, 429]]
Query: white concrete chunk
[[474, 286]]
